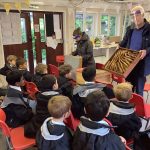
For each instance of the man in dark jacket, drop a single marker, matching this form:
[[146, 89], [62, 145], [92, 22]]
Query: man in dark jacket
[[94, 132], [84, 48], [137, 38]]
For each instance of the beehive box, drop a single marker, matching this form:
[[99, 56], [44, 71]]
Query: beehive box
[[123, 61], [101, 76]]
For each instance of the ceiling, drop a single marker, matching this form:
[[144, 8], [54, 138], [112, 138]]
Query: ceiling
[[82, 3]]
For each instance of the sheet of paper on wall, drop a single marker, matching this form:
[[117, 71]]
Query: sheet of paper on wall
[[51, 42], [58, 34], [56, 22]]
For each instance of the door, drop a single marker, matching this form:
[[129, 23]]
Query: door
[[24, 49]]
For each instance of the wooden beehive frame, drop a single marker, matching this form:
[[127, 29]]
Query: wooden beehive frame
[[123, 61]]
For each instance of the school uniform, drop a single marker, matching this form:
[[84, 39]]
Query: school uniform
[[92, 135], [6, 69], [17, 110], [53, 136], [80, 92], [42, 113], [122, 114], [65, 86]]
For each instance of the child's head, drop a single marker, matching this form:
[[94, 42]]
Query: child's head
[[89, 73], [15, 78], [11, 59], [65, 70], [21, 63], [59, 106], [48, 82], [123, 91], [97, 105], [41, 69]]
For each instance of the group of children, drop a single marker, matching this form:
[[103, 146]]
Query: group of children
[[95, 104]]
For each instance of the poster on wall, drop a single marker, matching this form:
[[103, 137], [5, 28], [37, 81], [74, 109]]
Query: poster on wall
[[11, 28]]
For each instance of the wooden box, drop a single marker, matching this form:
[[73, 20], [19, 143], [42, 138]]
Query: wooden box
[[101, 76], [123, 61]]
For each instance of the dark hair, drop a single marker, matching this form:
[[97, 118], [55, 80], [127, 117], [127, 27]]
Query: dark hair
[[77, 31], [20, 61], [64, 69], [47, 82], [89, 73], [59, 105], [97, 105], [13, 77]]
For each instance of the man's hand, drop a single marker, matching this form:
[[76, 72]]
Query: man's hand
[[143, 53]]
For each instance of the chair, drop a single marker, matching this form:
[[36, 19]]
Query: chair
[[14, 137], [60, 59], [53, 70], [142, 109], [147, 89], [117, 78], [99, 66], [31, 89], [72, 122], [2, 115]]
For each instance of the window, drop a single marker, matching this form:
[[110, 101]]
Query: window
[[23, 30], [104, 24], [43, 51], [42, 29], [108, 25], [90, 25], [79, 21]]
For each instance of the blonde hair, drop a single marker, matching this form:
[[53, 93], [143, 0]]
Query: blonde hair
[[138, 7], [11, 57], [123, 91], [58, 106], [40, 68]]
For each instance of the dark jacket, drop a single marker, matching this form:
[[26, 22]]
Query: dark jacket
[[53, 136], [18, 112], [144, 64], [37, 78], [123, 115], [81, 91], [42, 113], [65, 86], [85, 49], [6, 69], [91, 135]]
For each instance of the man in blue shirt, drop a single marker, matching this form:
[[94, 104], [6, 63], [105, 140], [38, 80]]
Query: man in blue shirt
[[137, 38]]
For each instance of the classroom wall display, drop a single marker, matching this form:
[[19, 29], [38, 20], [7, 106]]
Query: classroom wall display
[[10, 28]]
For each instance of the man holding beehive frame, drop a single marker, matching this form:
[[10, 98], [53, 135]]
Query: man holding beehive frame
[[137, 38]]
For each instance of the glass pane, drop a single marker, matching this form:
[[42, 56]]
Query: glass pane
[[42, 29], [90, 25], [26, 57], [79, 21], [112, 26], [104, 24], [33, 39], [43, 56], [23, 30]]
